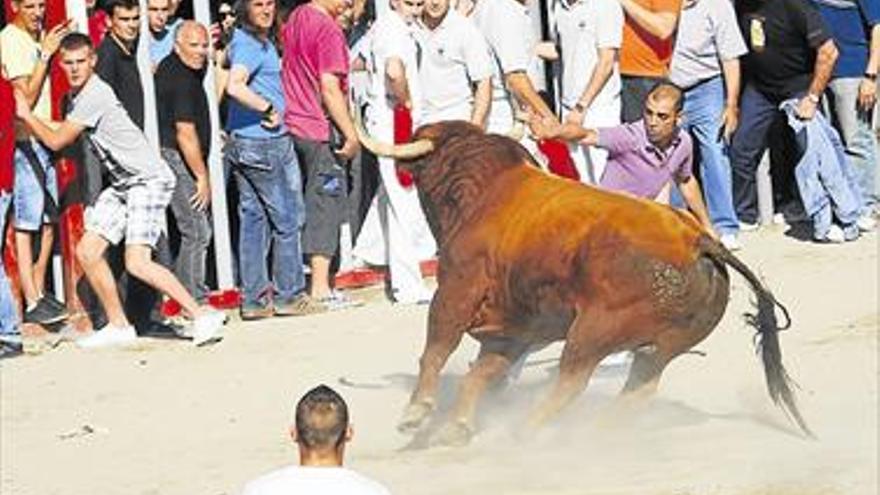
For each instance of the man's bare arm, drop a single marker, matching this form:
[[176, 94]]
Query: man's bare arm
[[522, 89], [54, 139], [868, 87], [601, 73], [337, 106], [693, 198], [395, 78], [191, 151], [730, 115], [660, 24], [31, 86], [826, 56], [482, 102]]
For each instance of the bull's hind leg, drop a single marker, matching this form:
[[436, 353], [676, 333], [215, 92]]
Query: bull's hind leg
[[704, 306], [496, 356], [588, 342]]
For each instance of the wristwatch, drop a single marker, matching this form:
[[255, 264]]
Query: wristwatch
[[45, 57], [869, 76], [813, 98], [580, 107]]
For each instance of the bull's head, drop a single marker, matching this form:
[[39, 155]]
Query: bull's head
[[455, 165], [407, 154]]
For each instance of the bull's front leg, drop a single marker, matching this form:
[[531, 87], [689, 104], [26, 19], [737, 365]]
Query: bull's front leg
[[496, 356], [445, 329]]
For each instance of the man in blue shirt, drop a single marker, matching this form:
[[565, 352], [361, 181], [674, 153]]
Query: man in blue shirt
[[852, 92], [264, 163]]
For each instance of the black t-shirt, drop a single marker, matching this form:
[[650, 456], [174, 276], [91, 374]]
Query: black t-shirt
[[181, 98], [782, 36], [120, 71]]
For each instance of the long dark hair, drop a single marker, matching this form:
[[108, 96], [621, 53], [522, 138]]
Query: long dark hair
[[243, 21]]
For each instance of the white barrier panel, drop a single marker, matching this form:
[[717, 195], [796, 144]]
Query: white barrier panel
[[222, 245]]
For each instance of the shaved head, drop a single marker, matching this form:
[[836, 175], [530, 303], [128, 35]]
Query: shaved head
[[191, 44]]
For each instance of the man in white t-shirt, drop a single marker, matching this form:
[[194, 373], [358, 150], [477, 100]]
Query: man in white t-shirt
[[395, 230], [589, 34], [455, 68], [508, 30], [321, 431]]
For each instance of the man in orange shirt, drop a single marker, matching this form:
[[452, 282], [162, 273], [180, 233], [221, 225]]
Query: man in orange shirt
[[645, 51]]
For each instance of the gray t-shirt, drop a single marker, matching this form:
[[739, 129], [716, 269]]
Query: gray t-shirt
[[707, 34], [117, 142]]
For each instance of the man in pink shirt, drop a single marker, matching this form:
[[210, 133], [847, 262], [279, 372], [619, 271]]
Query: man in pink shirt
[[314, 77], [646, 157]]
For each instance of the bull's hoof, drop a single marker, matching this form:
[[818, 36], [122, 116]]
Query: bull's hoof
[[452, 434], [414, 417]]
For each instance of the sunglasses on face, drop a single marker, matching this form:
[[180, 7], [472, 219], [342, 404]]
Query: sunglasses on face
[[225, 15]]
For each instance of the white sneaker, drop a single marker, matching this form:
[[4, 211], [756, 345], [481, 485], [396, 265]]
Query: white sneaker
[[206, 328], [835, 235], [731, 242], [421, 296], [866, 223], [109, 336], [749, 227]]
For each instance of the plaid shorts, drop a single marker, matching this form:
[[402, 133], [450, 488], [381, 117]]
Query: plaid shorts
[[136, 213]]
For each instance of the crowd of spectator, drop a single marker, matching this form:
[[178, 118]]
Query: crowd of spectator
[[671, 100]]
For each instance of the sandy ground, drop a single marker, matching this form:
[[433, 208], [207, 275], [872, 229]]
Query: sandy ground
[[165, 418]]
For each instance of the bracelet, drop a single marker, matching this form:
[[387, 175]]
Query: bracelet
[[268, 111], [580, 107], [870, 77], [813, 98]]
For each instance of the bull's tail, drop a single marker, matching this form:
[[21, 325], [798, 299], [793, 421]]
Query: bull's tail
[[779, 384]]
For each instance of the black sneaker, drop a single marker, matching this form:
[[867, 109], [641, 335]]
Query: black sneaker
[[55, 303], [45, 313]]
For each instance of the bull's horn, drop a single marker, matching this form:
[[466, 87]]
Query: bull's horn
[[398, 151]]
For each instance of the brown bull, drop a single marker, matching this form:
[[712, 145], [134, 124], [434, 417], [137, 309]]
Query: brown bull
[[526, 259]]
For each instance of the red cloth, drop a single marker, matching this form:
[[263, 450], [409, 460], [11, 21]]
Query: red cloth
[[402, 134], [558, 158], [7, 136], [97, 26]]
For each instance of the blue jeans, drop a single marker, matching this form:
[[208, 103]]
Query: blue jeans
[[858, 137], [757, 113], [8, 314], [29, 198], [703, 104], [270, 205]]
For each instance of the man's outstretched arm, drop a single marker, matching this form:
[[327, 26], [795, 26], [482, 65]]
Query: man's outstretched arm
[[54, 139]]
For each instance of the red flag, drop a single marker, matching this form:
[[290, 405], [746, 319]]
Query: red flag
[[70, 222], [402, 134], [558, 158]]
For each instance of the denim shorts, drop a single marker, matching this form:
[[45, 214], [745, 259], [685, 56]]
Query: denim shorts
[[29, 197], [8, 313]]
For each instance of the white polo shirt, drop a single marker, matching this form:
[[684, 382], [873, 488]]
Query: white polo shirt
[[582, 28], [390, 37], [508, 29], [451, 58]]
